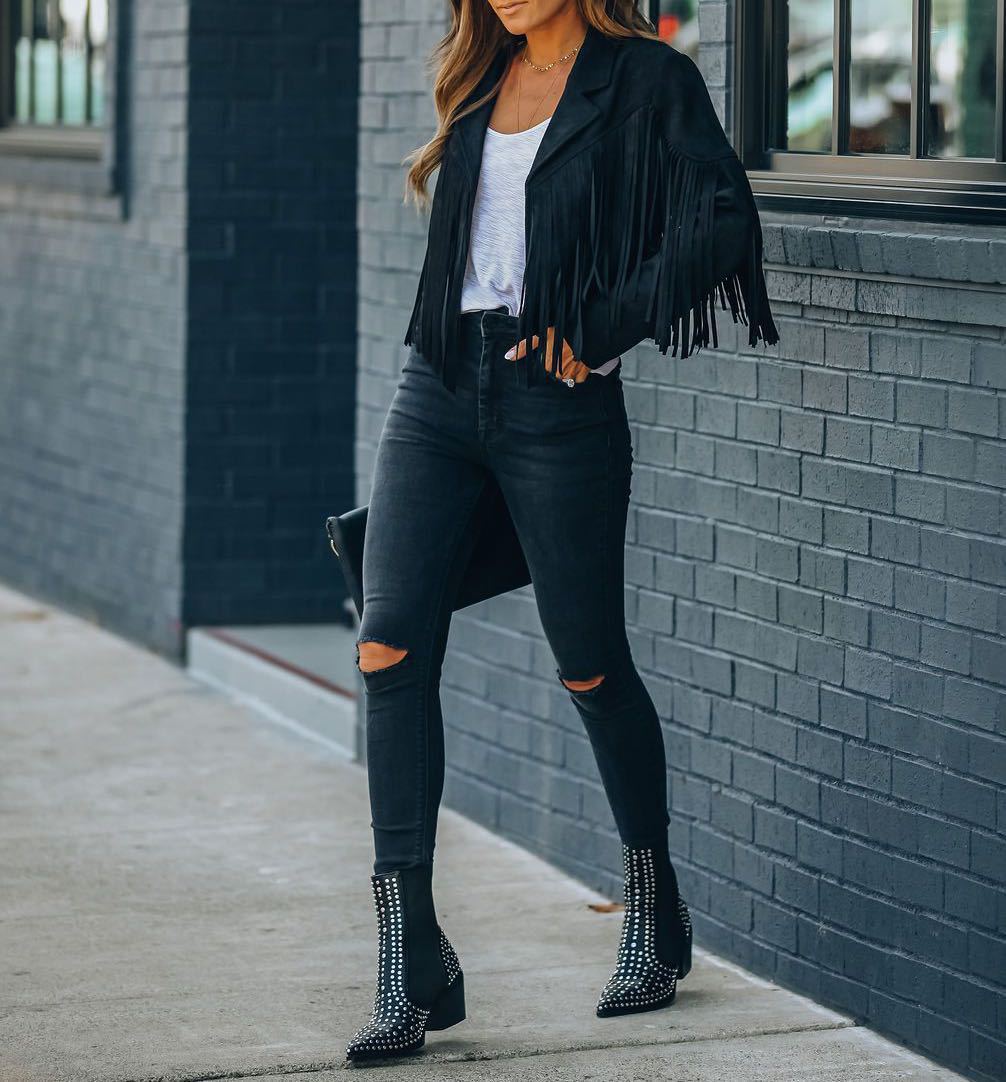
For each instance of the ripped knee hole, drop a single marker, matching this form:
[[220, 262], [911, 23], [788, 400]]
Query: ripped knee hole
[[583, 685], [372, 656]]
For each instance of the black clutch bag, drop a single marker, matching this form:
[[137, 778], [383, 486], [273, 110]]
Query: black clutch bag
[[497, 564]]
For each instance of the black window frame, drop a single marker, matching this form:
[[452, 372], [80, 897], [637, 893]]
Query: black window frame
[[874, 185], [75, 141]]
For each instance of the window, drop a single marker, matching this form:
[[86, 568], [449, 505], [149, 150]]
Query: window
[[677, 22], [53, 72], [855, 103]]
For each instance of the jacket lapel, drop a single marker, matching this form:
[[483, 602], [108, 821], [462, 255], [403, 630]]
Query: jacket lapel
[[574, 111], [470, 130]]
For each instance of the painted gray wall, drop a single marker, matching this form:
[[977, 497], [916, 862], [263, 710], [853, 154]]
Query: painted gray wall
[[815, 569], [271, 308], [92, 347], [177, 328]]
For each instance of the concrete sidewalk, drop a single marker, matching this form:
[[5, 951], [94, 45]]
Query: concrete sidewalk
[[185, 895]]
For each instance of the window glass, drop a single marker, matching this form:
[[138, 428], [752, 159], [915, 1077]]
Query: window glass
[[677, 22], [44, 61], [98, 29], [809, 33], [962, 79], [880, 76], [57, 53], [852, 104], [73, 57], [22, 61]]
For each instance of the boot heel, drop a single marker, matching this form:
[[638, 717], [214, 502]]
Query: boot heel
[[685, 958], [449, 1008]]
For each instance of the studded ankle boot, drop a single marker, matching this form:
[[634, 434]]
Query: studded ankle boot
[[655, 951], [420, 985]]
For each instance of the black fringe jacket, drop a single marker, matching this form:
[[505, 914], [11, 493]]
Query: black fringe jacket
[[639, 217]]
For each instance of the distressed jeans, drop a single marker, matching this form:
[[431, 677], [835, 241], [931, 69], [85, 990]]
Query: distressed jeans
[[562, 458]]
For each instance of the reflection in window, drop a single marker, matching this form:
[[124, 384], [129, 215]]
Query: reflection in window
[[810, 38], [914, 117], [962, 85], [58, 49], [677, 22], [880, 77]]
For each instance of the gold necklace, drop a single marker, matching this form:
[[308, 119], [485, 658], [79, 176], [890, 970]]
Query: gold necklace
[[548, 90], [539, 67]]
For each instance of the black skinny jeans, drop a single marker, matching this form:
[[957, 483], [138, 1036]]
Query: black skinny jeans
[[562, 458]]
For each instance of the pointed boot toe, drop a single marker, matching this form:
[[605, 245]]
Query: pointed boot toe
[[651, 989]]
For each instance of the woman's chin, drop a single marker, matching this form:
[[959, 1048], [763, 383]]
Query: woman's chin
[[515, 19], [515, 25]]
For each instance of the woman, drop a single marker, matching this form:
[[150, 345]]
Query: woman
[[587, 199]]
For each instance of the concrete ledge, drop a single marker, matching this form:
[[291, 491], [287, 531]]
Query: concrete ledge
[[263, 669]]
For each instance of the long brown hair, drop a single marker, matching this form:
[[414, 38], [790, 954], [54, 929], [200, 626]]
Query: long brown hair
[[465, 53]]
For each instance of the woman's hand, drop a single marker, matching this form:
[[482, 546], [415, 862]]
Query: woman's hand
[[569, 366]]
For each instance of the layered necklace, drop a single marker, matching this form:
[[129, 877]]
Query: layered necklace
[[540, 67]]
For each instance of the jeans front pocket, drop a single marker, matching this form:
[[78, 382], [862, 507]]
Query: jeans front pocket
[[550, 407]]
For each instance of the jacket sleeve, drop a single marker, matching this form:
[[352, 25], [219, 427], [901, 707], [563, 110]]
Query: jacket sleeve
[[705, 242]]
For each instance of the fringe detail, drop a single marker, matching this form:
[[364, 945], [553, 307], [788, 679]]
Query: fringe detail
[[646, 202], [433, 325], [642, 192]]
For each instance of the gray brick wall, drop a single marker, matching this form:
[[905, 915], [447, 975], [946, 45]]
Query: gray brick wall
[[92, 338], [177, 358], [814, 596]]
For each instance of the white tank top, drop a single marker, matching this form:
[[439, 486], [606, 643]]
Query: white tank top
[[496, 255]]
